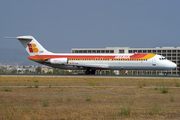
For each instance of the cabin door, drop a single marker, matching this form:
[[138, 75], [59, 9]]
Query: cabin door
[[153, 62]]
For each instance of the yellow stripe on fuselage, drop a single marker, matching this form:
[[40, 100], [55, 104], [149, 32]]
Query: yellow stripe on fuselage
[[148, 56], [39, 59]]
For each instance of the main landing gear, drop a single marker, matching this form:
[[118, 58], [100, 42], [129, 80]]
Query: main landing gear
[[88, 72]]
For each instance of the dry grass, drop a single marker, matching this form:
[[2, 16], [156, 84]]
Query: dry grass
[[66, 98]]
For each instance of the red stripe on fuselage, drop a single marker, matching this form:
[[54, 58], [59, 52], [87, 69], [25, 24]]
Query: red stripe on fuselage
[[137, 56]]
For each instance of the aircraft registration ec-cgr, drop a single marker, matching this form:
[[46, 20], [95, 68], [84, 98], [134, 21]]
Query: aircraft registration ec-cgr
[[93, 62]]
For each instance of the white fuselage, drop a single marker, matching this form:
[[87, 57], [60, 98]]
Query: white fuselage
[[155, 63]]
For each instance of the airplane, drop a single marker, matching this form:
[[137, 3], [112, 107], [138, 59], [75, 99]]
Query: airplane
[[92, 62]]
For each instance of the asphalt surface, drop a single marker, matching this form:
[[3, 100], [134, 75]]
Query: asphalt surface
[[93, 76]]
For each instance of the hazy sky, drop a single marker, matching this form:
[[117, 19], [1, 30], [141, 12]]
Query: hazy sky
[[60, 25]]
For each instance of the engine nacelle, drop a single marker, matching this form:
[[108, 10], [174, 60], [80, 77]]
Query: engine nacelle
[[61, 61]]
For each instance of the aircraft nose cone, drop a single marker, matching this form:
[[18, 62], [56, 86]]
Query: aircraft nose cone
[[174, 65], [171, 65]]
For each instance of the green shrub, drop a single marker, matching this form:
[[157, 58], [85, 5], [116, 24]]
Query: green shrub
[[177, 84], [155, 88], [156, 110], [69, 99], [7, 89], [45, 103], [164, 89], [125, 111], [88, 98], [91, 83]]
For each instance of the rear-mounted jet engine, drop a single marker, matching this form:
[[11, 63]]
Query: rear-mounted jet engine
[[61, 61]]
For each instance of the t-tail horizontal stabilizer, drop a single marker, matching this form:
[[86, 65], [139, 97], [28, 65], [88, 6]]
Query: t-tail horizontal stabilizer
[[32, 46]]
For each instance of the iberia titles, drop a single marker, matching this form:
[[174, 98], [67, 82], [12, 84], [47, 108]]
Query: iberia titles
[[122, 57]]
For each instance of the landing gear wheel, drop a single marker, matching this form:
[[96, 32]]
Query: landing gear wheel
[[93, 72], [165, 73], [87, 72]]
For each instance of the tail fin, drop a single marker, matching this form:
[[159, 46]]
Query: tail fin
[[32, 46]]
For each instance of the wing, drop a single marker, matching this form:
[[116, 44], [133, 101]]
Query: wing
[[104, 66]]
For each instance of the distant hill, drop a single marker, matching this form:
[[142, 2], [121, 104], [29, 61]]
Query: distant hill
[[14, 56]]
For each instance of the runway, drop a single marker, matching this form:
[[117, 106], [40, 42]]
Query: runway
[[94, 76]]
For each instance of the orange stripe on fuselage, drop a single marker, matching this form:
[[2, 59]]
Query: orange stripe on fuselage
[[142, 56], [148, 56]]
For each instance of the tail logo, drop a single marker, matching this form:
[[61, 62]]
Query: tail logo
[[33, 48]]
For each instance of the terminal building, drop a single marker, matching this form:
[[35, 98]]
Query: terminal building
[[171, 53]]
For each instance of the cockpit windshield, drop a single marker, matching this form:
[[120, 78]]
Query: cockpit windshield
[[163, 58]]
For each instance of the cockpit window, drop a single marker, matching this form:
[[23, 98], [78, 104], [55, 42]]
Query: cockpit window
[[162, 58]]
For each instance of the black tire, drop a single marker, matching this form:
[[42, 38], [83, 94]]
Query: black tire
[[87, 72], [93, 72]]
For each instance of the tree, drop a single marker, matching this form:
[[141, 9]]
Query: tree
[[111, 72], [1, 70], [55, 71], [38, 69], [14, 71]]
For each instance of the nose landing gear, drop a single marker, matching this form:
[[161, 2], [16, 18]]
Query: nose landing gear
[[165, 73]]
